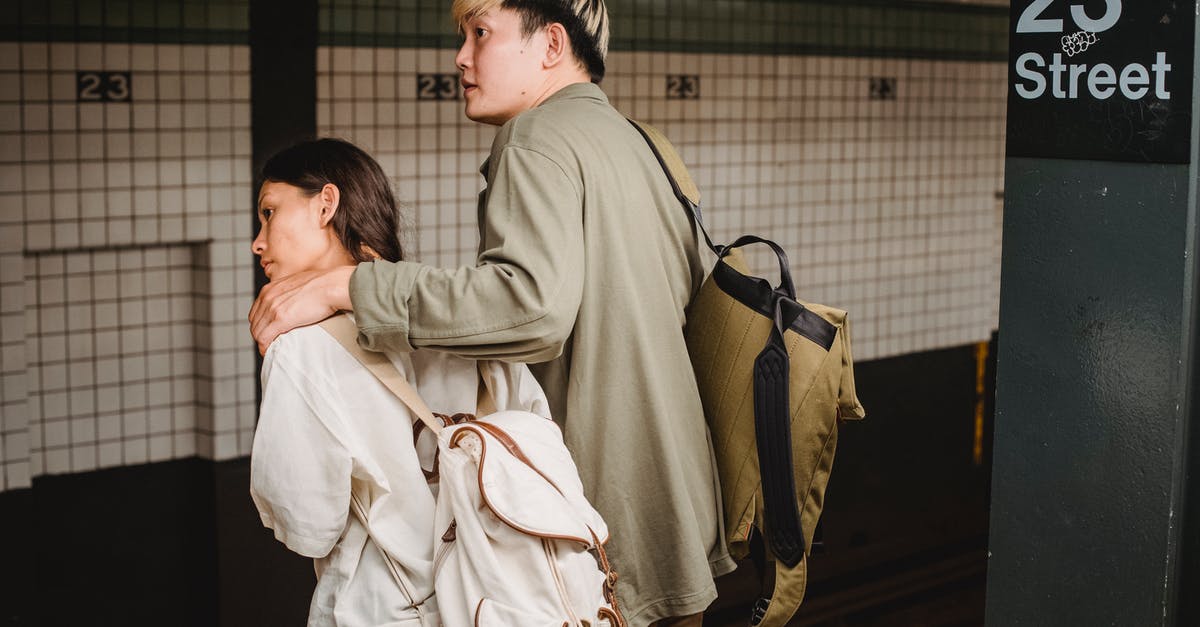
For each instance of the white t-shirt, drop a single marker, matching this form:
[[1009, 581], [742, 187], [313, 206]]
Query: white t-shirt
[[329, 432]]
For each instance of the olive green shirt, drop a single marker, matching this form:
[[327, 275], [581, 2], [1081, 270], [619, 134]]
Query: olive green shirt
[[586, 263]]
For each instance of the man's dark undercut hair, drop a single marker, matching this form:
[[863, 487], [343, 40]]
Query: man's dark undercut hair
[[536, 14], [586, 23]]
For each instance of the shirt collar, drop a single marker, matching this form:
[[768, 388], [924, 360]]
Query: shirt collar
[[573, 91]]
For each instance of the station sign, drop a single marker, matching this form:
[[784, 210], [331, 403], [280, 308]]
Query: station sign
[[1101, 79]]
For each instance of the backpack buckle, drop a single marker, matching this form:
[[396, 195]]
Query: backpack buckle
[[759, 612]]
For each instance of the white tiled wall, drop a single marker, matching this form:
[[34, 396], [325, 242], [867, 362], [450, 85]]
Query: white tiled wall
[[123, 247], [125, 272], [368, 96], [111, 355], [888, 208]]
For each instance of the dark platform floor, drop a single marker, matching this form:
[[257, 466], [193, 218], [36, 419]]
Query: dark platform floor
[[179, 543]]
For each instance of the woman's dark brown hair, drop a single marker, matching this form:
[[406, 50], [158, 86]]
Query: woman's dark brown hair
[[367, 214]]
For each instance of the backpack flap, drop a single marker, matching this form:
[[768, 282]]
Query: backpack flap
[[516, 543], [848, 406], [538, 494]]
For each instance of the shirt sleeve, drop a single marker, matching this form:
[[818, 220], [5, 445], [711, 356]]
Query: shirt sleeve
[[299, 469], [519, 301], [513, 387]]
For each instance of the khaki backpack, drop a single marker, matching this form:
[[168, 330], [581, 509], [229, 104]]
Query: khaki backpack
[[776, 377]]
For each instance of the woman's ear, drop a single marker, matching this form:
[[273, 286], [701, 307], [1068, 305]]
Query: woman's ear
[[330, 197]]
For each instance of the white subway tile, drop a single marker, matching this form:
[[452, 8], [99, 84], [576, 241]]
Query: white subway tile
[[135, 450], [109, 454], [57, 461]]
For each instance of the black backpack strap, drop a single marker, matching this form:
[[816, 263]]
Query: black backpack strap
[[773, 435], [681, 181]]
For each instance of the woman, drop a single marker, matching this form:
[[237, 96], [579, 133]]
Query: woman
[[334, 469]]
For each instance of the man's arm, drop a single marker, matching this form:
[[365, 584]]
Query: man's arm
[[518, 303]]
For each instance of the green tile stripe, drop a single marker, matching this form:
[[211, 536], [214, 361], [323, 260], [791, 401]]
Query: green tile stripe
[[872, 28], [136, 21], [395, 24], [845, 28]]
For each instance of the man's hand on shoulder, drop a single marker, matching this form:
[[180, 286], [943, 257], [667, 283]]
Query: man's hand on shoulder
[[301, 299]]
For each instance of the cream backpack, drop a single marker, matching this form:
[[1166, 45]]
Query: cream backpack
[[516, 542]]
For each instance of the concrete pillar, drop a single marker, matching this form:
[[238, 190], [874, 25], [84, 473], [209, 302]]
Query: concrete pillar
[[1090, 504]]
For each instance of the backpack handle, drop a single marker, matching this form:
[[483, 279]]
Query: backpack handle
[[785, 274]]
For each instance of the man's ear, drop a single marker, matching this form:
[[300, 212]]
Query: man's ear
[[330, 196], [558, 45]]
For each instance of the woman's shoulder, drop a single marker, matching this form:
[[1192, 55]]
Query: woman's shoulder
[[301, 342], [310, 350], [316, 353]]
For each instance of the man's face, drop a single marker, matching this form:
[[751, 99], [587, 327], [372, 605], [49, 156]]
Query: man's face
[[501, 70]]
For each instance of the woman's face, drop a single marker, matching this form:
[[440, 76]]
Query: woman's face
[[295, 232]]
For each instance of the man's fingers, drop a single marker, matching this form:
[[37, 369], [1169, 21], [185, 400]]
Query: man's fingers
[[269, 333], [266, 313], [291, 302], [263, 302], [258, 328], [275, 313], [268, 307], [265, 343]]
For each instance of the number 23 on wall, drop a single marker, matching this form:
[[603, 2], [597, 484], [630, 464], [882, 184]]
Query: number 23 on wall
[[104, 86], [1031, 22]]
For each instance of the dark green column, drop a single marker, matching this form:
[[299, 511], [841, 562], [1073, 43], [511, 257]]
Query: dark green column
[[260, 581], [1092, 507]]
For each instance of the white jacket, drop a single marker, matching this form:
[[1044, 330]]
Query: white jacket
[[330, 434]]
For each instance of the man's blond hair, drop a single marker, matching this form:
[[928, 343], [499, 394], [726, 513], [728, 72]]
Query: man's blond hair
[[586, 22]]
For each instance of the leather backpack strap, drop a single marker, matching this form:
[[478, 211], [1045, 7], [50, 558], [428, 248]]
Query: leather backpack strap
[[343, 329], [394, 568]]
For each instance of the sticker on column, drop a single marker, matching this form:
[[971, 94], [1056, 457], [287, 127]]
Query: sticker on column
[[1104, 79]]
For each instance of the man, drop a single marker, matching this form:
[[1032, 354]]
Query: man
[[586, 263]]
